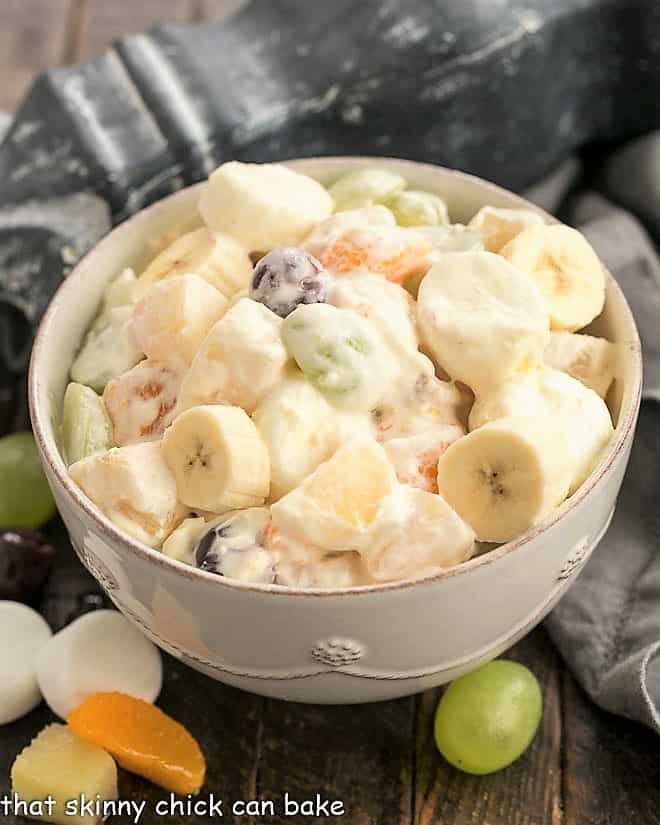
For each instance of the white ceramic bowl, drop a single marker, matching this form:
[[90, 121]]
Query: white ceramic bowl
[[330, 646]]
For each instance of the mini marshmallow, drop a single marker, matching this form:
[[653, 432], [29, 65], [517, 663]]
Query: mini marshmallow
[[99, 652], [23, 634]]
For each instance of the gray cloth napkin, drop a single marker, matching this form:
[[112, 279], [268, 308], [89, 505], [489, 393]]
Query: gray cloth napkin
[[607, 627]]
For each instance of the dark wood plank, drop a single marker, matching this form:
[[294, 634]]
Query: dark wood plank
[[359, 754], [526, 793], [32, 36], [104, 22], [226, 723], [611, 765]]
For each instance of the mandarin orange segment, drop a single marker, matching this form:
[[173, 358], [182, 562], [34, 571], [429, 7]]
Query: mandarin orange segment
[[396, 255], [344, 255], [142, 739]]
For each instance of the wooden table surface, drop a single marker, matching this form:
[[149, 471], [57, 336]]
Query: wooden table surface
[[584, 768]]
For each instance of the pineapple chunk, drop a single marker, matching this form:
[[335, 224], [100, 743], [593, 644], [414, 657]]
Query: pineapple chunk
[[133, 486], [416, 533], [59, 766], [335, 505]]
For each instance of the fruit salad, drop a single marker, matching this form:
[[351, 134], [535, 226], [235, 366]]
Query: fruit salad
[[337, 386]]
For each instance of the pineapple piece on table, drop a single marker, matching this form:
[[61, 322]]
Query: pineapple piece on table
[[59, 766]]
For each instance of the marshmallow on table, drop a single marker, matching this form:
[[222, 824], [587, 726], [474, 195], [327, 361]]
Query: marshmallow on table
[[99, 652], [23, 633]]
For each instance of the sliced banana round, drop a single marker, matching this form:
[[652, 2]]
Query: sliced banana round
[[481, 319], [549, 393], [590, 360], [218, 259], [505, 477], [562, 263], [263, 205], [498, 225], [218, 459]]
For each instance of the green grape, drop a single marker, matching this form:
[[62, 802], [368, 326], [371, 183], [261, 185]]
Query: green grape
[[364, 187], [337, 352], [86, 428], [488, 718], [25, 497], [413, 208]]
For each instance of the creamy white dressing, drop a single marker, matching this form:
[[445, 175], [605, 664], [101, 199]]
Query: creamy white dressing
[[398, 402]]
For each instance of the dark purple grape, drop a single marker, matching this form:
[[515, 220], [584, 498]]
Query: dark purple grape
[[287, 277], [25, 560], [233, 548]]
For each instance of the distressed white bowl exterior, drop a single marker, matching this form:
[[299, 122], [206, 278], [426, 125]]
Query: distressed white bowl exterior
[[340, 646]]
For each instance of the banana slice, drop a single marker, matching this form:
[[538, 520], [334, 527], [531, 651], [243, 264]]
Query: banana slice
[[263, 205], [108, 351], [416, 534], [548, 393], [220, 260], [590, 360], [172, 319], [498, 226], [134, 488], [334, 507], [327, 232], [180, 544], [141, 402], [218, 459], [505, 477], [298, 426], [481, 319], [239, 362], [562, 263]]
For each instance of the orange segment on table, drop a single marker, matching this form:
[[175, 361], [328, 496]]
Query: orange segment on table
[[142, 739]]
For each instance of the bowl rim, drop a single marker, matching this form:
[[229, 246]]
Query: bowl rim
[[51, 455]]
